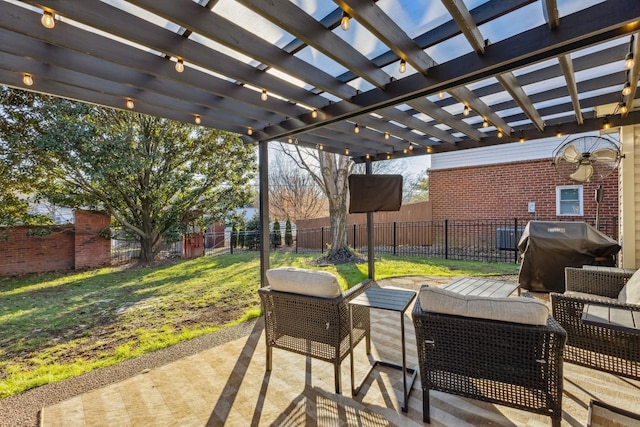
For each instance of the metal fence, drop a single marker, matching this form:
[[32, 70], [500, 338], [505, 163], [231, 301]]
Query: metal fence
[[477, 240]]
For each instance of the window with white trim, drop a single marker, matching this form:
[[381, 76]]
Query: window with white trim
[[569, 200]]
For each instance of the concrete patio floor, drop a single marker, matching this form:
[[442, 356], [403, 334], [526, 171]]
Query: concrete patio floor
[[228, 385]]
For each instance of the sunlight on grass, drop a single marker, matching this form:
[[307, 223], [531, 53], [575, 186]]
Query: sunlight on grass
[[58, 325]]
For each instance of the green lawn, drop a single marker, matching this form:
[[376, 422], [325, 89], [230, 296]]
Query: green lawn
[[57, 325]]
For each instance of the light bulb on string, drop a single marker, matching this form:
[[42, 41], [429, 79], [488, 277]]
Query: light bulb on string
[[386, 135], [628, 61], [344, 21], [465, 111], [264, 96], [627, 89], [130, 103], [47, 20], [346, 151], [249, 131], [27, 80], [179, 65], [500, 134], [197, 119], [314, 113], [356, 129], [440, 95], [622, 108], [403, 66], [485, 123]]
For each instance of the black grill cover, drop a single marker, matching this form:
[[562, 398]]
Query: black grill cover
[[549, 247]]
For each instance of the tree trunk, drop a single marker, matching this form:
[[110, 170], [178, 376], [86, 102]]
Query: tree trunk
[[147, 254], [335, 171]]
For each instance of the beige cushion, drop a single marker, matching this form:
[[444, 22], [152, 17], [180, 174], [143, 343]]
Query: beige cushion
[[303, 281], [589, 296], [511, 309], [630, 293]]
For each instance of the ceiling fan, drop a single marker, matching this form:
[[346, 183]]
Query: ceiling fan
[[587, 158]]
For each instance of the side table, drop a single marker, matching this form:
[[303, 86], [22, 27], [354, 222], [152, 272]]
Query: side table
[[397, 300]]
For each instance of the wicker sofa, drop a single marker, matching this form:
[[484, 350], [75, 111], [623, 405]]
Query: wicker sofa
[[597, 347], [314, 326], [512, 364]]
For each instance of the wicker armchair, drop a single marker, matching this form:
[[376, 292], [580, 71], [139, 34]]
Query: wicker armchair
[[597, 347], [314, 326], [501, 362]]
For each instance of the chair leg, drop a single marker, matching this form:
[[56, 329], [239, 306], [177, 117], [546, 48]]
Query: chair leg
[[269, 357], [338, 378], [368, 340], [426, 417], [556, 419]]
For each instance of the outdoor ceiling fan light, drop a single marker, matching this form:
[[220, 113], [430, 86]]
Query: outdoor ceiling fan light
[[627, 89], [27, 79], [130, 104], [197, 119], [264, 96], [465, 111], [344, 21], [180, 65], [47, 20], [403, 66], [628, 61]]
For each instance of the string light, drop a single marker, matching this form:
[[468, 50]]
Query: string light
[[485, 123], [410, 147], [290, 140], [521, 136], [388, 156], [356, 128], [440, 95], [27, 79], [179, 65], [429, 150], [367, 156], [249, 131], [130, 103], [47, 20], [627, 89], [386, 135], [500, 134], [465, 111], [622, 108], [197, 119], [606, 124], [628, 61], [264, 96], [346, 151], [404, 151], [403, 66], [314, 113], [558, 133], [344, 21], [321, 147]]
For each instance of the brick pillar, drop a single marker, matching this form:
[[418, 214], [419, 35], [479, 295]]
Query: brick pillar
[[192, 245], [91, 250]]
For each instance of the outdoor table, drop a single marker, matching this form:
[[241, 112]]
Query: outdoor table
[[474, 286], [621, 319], [397, 300]]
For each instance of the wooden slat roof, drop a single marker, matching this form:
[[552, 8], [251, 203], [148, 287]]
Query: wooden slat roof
[[529, 69]]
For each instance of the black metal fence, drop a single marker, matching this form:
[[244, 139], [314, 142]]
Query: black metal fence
[[477, 240]]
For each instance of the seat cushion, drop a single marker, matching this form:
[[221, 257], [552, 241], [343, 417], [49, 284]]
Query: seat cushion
[[630, 293], [510, 309], [303, 281], [588, 296]]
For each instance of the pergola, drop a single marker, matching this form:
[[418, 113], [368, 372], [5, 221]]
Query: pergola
[[373, 80]]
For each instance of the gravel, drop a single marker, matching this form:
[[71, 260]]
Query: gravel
[[23, 410]]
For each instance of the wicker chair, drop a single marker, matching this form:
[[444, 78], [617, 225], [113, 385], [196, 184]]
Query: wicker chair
[[597, 347], [314, 326], [501, 362]]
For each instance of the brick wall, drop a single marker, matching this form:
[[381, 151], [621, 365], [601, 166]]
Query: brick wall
[[52, 248], [91, 250], [23, 251], [503, 191]]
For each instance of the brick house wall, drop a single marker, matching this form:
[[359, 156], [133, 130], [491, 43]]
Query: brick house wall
[[503, 190]]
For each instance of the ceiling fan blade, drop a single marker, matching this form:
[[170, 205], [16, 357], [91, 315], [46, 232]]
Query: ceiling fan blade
[[571, 154], [604, 154], [582, 173]]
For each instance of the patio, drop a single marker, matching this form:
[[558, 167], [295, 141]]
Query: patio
[[227, 385]]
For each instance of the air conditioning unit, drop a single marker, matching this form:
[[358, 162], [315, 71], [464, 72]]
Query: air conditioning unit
[[506, 239]]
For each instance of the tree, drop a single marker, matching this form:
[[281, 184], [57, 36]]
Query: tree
[[293, 193], [153, 176], [288, 235], [276, 235]]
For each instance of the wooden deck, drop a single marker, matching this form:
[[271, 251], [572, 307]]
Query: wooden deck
[[228, 385]]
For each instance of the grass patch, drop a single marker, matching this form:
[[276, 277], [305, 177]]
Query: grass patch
[[58, 325]]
